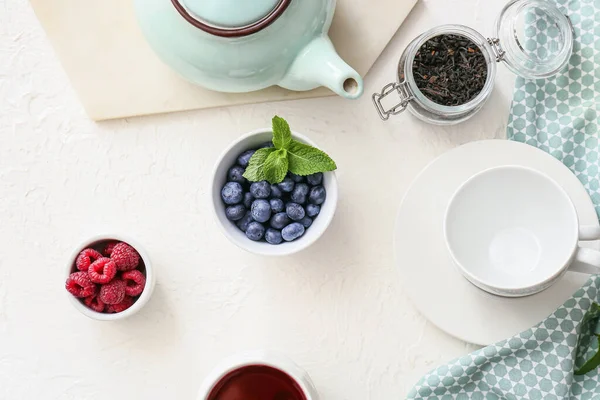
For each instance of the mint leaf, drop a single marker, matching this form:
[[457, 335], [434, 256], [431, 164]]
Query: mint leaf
[[255, 171], [273, 163], [306, 160], [282, 135], [585, 343], [276, 166]]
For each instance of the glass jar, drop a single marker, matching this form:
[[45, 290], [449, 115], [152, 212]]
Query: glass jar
[[518, 42]]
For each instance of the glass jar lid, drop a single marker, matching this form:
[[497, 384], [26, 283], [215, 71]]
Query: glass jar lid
[[534, 38]]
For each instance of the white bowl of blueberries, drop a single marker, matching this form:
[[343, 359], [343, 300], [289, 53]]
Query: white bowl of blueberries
[[278, 218]]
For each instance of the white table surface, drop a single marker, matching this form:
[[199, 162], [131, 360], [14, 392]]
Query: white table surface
[[338, 309]]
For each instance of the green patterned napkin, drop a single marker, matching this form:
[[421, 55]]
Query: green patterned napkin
[[536, 364], [560, 115]]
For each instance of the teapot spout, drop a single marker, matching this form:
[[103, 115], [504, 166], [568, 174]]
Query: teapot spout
[[318, 64]]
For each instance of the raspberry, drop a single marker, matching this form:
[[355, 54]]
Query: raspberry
[[134, 282], [86, 258], [80, 285], [94, 303], [109, 248], [125, 257], [122, 306], [102, 270], [113, 292]]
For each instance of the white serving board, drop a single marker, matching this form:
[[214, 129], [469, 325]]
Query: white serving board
[[116, 74]]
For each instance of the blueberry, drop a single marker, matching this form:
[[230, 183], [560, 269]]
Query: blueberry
[[235, 213], [245, 221], [276, 205], [312, 210], [255, 231], [267, 144], [273, 236], [292, 232], [296, 178], [248, 199], [306, 222], [260, 190], [261, 210], [245, 157], [275, 191], [287, 185], [317, 195], [280, 220], [315, 179], [232, 193], [299, 193], [295, 211], [235, 174]]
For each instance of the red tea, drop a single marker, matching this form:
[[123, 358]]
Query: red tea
[[257, 382]]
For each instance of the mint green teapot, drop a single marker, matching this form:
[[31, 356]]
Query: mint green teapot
[[246, 45]]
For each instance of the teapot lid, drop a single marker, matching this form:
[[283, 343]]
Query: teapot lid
[[231, 17]]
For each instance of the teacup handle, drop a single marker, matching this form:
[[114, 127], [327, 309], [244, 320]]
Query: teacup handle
[[588, 259], [589, 232]]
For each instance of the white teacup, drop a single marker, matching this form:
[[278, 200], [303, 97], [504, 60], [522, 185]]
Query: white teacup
[[513, 231], [258, 358]]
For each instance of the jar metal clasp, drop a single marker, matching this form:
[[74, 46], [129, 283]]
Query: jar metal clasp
[[499, 52], [404, 98]]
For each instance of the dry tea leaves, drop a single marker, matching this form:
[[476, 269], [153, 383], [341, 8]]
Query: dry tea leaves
[[450, 70]]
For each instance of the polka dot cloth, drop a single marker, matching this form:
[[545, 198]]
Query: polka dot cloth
[[535, 364], [561, 115]]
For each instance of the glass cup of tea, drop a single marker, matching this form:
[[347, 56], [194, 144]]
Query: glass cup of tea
[[258, 375]]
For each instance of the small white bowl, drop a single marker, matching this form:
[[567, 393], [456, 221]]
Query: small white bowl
[[259, 358], [253, 140], [141, 301]]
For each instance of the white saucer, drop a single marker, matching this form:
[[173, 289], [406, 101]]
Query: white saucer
[[431, 280]]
